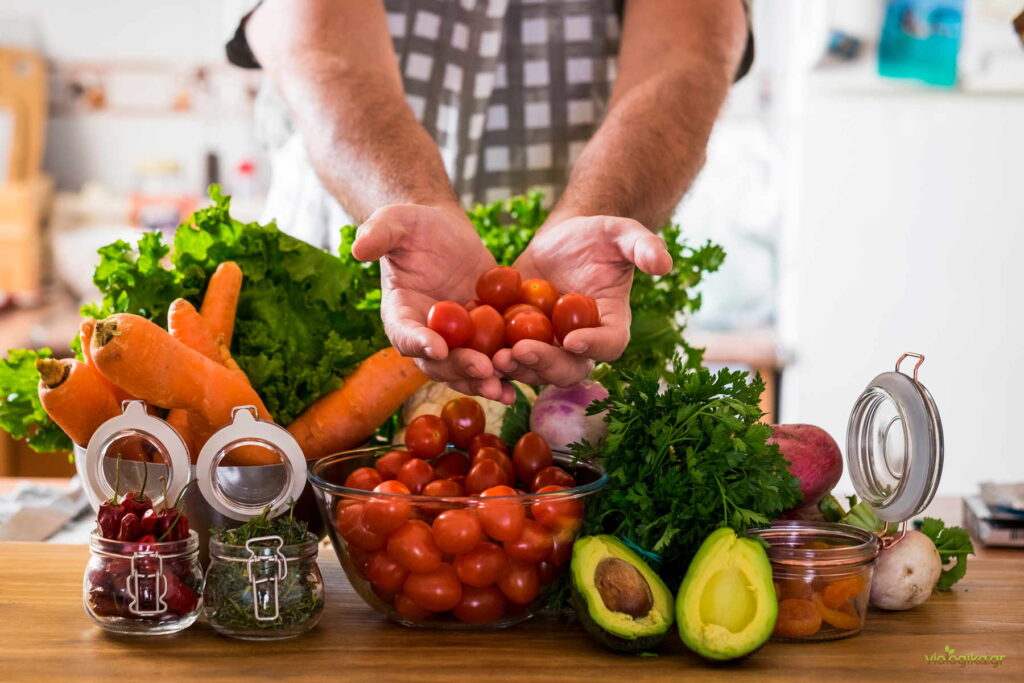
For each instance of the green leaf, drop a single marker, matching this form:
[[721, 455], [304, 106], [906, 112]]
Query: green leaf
[[21, 412], [953, 543], [517, 418]]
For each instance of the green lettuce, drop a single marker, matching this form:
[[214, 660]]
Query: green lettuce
[[21, 412]]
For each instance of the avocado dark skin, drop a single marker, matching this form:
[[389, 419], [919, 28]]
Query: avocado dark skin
[[620, 600]]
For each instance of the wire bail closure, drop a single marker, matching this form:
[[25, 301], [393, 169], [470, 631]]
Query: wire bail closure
[[274, 568]]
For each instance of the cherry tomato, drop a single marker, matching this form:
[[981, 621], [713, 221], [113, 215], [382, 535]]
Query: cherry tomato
[[444, 487], [352, 527], [480, 605], [389, 463], [513, 311], [520, 583], [426, 436], [557, 512], [384, 514], [449, 464], [359, 558], [459, 479], [484, 475], [416, 474], [481, 566], [437, 590], [528, 325], [488, 330], [457, 531], [485, 439], [413, 547], [384, 573], [547, 573], [499, 287], [532, 545], [473, 303], [531, 455], [409, 609], [365, 478], [553, 475], [464, 418], [539, 293], [561, 546], [501, 518], [573, 311], [498, 456], [451, 321]]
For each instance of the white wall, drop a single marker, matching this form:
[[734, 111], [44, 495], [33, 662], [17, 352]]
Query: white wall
[[908, 236], [108, 146]]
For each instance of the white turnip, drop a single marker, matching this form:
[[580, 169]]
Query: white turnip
[[560, 414], [906, 574]]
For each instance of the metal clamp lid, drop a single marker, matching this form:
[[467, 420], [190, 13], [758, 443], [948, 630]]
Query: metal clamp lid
[[134, 420], [895, 444], [246, 429]]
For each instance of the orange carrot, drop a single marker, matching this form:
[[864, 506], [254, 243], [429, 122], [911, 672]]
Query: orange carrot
[[180, 420], [221, 300], [76, 397], [348, 416], [187, 326], [147, 361], [88, 325]]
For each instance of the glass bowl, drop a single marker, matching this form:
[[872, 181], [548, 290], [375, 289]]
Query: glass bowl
[[481, 588], [822, 573]]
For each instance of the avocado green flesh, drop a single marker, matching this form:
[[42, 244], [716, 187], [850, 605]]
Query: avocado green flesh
[[614, 629], [726, 606]]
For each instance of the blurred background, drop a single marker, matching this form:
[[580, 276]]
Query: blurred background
[[866, 179]]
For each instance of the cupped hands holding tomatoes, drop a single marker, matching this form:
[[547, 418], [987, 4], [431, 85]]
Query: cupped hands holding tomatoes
[[508, 310]]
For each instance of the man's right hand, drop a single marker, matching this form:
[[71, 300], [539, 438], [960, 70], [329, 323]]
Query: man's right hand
[[427, 255]]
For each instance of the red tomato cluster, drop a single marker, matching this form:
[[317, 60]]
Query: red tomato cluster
[[476, 561], [509, 309]]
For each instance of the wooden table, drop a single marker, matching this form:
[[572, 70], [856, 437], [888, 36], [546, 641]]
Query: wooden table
[[45, 635]]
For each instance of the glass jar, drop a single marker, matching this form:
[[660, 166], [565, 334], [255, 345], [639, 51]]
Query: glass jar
[[263, 590], [143, 588], [822, 574]]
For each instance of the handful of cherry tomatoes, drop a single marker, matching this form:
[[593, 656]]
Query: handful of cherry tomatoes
[[509, 309], [480, 558]]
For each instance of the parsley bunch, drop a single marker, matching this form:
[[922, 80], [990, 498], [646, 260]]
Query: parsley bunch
[[685, 455]]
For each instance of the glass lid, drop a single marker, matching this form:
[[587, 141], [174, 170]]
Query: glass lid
[[894, 444]]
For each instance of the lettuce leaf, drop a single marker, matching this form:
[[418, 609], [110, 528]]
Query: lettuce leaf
[[21, 412], [952, 542]]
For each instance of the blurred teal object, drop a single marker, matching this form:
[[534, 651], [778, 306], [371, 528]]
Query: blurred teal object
[[920, 40]]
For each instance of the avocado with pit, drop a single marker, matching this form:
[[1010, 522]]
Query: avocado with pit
[[621, 602], [726, 606]]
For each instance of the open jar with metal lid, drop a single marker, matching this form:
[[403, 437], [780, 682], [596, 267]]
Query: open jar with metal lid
[[143, 575], [263, 582], [822, 571]]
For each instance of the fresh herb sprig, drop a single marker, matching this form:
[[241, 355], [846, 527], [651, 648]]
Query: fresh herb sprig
[[684, 457], [229, 596]]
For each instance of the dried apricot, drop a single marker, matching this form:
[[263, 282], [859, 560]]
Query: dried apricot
[[839, 592], [794, 588], [798, 618], [847, 620]]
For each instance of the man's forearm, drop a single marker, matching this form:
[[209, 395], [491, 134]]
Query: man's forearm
[[652, 142], [345, 96]]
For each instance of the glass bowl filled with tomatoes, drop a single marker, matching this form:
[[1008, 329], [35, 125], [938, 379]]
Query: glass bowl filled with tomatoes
[[465, 538]]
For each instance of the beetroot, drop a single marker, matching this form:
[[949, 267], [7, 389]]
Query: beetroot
[[814, 459]]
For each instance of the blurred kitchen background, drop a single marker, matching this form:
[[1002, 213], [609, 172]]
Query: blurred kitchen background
[[867, 180]]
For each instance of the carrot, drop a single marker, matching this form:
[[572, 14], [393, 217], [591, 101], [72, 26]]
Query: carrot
[[147, 361], [348, 416], [227, 360], [76, 397], [180, 420], [187, 326], [221, 300], [88, 325]]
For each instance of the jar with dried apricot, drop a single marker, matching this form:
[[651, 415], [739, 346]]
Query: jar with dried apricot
[[822, 575]]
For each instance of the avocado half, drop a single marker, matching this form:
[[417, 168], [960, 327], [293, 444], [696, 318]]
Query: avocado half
[[622, 603], [726, 606]]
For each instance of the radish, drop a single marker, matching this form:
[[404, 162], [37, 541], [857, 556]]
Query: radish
[[814, 459]]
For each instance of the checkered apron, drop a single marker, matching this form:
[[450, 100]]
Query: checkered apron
[[510, 90]]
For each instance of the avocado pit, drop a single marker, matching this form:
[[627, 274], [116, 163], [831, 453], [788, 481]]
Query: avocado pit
[[623, 588]]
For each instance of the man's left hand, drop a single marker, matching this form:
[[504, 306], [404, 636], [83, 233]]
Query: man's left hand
[[592, 255]]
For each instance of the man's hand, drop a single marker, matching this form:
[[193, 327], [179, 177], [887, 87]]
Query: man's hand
[[427, 255], [595, 256]]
